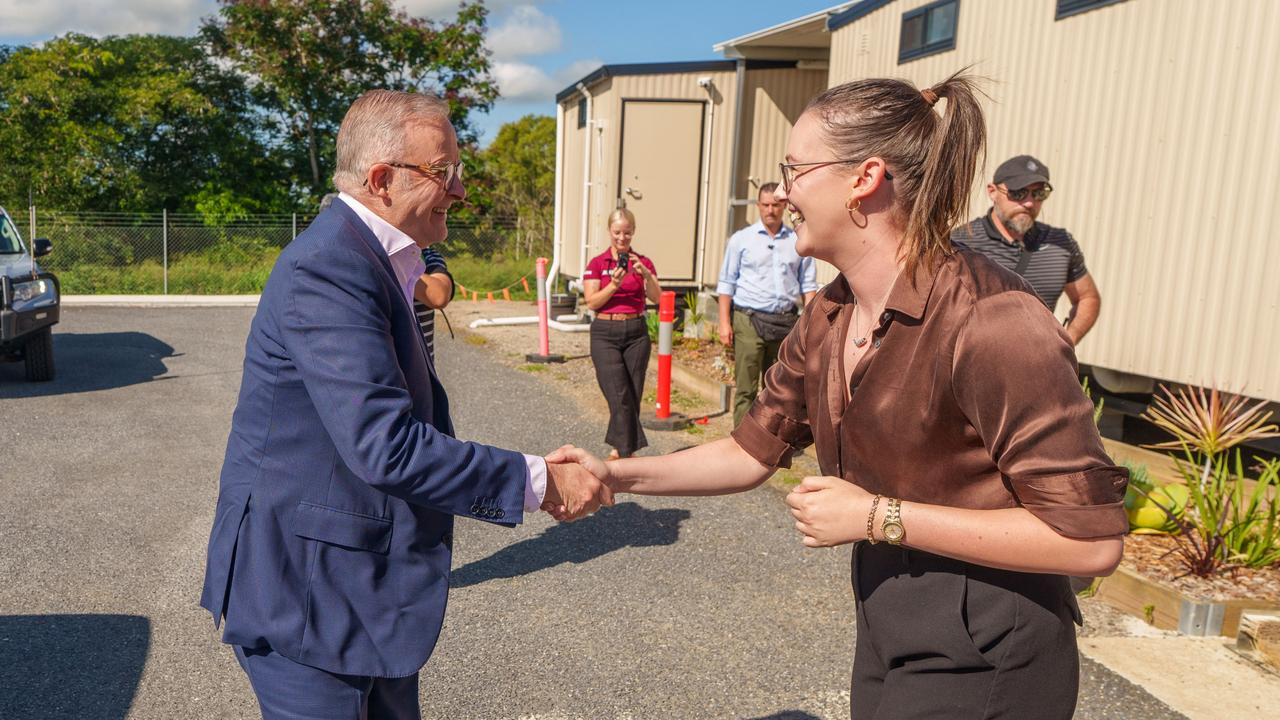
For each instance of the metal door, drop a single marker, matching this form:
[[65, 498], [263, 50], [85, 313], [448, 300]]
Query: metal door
[[660, 179]]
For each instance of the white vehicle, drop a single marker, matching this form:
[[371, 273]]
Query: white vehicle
[[29, 303]]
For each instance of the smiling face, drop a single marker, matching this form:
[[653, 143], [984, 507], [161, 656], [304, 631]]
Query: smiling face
[[420, 201], [816, 200], [620, 233]]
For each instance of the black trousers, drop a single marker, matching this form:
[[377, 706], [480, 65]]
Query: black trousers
[[941, 638], [620, 353]]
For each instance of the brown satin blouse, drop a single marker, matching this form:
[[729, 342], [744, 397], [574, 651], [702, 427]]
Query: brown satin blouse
[[967, 398]]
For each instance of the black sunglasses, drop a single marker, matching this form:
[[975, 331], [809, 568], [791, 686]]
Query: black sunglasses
[[1040, 194]]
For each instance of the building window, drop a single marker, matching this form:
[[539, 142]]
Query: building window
[[928, 30], [1067, 8], [582, 112]]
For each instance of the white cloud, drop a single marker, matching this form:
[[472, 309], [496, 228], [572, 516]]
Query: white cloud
[[23, 19], [524, 31], [438, 9], [522, 82], [46, 18]]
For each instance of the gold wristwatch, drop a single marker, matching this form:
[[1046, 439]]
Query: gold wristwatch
[[892, 528]]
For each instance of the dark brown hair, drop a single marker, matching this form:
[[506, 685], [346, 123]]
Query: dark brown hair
[[933, 157]]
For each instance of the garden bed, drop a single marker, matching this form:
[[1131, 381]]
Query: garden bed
[[1152, 556], [1150, 584], [705, 358]]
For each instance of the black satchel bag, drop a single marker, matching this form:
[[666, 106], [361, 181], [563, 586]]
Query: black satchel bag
[[772, 327]]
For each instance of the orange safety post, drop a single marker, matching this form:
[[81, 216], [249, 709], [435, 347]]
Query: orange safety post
[[666, 330]]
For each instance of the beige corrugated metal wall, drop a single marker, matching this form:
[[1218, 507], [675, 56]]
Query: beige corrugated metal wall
[[1158, 121], [606, 154], [570, 144], [773, 101]]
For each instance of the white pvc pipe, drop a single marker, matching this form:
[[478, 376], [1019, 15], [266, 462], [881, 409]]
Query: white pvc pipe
[[706, 187], [586, 180], [553, 271], [564, 323]]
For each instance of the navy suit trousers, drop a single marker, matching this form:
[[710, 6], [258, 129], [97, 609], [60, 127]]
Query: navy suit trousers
[[288, 690]]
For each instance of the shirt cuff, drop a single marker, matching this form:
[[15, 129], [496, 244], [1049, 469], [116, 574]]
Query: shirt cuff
[[725, 288], [535, 487]]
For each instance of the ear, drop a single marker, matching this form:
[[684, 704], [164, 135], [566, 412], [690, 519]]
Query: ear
[[868, 178], [378, 180], [991, 191]]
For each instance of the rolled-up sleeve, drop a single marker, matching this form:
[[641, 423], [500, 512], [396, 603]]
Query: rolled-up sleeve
[[777, 425], [1015, 378]]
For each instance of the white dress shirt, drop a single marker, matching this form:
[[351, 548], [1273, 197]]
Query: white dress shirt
[[406, 261]]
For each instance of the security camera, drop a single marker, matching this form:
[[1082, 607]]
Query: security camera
[[705, 82]]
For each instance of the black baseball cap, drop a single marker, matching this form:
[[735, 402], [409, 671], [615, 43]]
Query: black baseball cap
[[1021, 171]]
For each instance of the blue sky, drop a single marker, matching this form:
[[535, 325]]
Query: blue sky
[[539, 46]]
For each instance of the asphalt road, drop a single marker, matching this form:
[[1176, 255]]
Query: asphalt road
[[679, 608]]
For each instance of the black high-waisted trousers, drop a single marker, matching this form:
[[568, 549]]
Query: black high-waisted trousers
[[941, 638], [620, 352]]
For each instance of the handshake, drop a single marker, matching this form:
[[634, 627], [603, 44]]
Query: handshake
[[578, 483]]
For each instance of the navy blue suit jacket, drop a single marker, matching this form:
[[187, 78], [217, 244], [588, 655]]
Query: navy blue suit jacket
[[332, 538]]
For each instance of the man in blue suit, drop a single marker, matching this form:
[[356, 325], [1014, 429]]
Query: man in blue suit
[[330, 551]]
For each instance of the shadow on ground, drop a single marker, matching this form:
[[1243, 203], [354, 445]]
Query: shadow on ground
[[612, 528], [85, 362], [789, 715], [71, 666]]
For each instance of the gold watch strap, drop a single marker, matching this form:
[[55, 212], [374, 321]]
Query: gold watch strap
[[871, 520], [892, 528]]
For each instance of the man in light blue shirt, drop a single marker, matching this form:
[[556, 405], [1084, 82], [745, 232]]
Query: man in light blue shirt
[[763, 283]]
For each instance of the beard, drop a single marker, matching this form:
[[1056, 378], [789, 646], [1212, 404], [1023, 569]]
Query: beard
[[1020, 223]]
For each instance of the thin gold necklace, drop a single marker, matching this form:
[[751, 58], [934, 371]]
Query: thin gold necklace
[[858, 342]]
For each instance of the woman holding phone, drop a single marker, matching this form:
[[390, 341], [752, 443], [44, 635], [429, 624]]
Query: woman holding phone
[[617, 283]]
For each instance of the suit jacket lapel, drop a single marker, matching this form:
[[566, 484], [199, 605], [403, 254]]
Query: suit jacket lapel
[[366, 235]]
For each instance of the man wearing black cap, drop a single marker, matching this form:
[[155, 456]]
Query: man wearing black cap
[[1046, 256]]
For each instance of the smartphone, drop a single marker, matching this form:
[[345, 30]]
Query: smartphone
[[623, 260]]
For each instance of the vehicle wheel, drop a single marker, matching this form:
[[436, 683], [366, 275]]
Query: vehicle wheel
[[38, 354]]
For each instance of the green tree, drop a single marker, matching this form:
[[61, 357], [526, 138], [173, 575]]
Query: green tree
[[522, 167], [127, 123], [309, 59]]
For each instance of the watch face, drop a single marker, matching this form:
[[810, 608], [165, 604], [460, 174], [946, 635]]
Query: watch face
[[893, 532]]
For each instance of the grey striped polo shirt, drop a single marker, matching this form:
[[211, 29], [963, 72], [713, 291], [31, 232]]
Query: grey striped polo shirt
[[1054, 259]]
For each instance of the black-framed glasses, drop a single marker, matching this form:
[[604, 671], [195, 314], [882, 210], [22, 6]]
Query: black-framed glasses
[[1040, 194], [446, 171], [789, 174]]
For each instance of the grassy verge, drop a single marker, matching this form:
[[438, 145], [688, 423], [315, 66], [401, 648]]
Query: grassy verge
[[193, 274], [244, 271], [484, 275]]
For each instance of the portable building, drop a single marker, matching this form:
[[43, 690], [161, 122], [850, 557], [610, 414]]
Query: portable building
[[1156, 117]]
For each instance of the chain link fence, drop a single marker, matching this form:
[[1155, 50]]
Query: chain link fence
[[183, 253]]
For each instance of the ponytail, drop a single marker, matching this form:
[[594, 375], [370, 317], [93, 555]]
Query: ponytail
[[934, 157], [956, 149]]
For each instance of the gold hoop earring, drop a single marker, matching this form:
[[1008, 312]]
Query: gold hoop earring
[[853, 204]]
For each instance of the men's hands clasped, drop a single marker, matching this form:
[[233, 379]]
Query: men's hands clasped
[[577, 484]]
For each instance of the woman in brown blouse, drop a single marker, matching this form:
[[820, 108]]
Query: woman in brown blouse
[[957, 448]]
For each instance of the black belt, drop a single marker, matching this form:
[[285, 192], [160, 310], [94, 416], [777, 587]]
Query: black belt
[[752, 311]]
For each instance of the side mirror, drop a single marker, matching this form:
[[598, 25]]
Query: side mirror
[[42, 247]]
